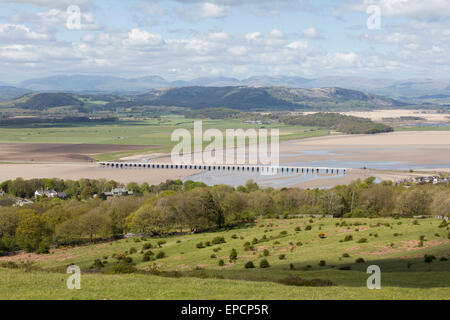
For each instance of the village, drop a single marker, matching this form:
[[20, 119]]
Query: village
[[53, 194]]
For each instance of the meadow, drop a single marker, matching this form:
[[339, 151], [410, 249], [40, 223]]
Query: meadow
[[152, 132], [298, 250]]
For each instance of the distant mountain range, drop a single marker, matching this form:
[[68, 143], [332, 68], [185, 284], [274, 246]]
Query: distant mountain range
[[196, 97], [393, 88]]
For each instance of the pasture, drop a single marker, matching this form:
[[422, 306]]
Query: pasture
[[298, 250]]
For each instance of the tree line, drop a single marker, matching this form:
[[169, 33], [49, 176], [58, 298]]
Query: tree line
[[175, 206]]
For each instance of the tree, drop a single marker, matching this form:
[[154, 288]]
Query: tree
[[9, 220], [415, 202], [441, 204], [330, 202], [30, 231]]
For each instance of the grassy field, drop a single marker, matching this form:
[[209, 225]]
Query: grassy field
[[143, 132], [189, 272]]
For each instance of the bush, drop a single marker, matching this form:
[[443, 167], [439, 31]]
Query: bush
[[345, 268], [322, 235], [362, 240], [348, 237], [429, 258], [283, 233], [121, 268], [295, 281], [308, 228], [360, 260], [218, 240], [234, 236], [345, 255], [132, 250], [322, 263], [161, 255], [200, 245], [161, 242], [221, 263], [282, 256], [98, 264], [213, 256], [44, 248], [208, 244], [233, 255], [147, 246], [249, 265], [264, 264], [443, 259], [297, 229], [266, 252], [443, 224]]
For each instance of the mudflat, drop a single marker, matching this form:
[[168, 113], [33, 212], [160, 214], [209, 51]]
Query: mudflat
[[59, 152]]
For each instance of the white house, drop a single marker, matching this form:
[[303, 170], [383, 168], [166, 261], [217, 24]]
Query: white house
[[49, 194], [2, 193]]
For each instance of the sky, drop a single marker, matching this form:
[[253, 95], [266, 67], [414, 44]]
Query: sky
[[186, 39]]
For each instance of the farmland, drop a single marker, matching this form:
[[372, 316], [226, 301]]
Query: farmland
[[304, 248]]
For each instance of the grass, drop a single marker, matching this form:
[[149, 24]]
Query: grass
[[188, 272], [139, 132]]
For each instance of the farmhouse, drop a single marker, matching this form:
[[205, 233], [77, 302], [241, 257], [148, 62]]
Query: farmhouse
[[23, 202], [49, 194], [118, 192]]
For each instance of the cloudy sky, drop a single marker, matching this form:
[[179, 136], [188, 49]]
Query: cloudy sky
[[185, 39]]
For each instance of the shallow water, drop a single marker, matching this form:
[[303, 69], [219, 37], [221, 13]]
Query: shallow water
[[289, 179]]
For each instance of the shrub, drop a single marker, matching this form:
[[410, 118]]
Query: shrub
[[249, 265], [322, 235], [299, 244], [233, 255], [298, 229], [443, 259], [345, 268], [44, 248], [98, 264], [345, 255], [322, 263], [360, 260], [291, 266], [296, 281], [362, 240], [234, 236], [218, 240], [147, 246], [282, 256], [221, 263], [307, 228], [255, 241], [200, 245], [264, 264], [213, 256], [348, 237], [266, 252], [283, 233], [429, 258], [161, 242], [132, 250], [208, 244], [443, 224], [161, 255], [121, 268]]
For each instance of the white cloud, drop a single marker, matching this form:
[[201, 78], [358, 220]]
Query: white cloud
[[297, 45], [137, 37], [310, 33], [212, 10]]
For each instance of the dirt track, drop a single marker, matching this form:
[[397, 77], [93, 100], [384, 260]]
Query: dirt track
[[59, 152]]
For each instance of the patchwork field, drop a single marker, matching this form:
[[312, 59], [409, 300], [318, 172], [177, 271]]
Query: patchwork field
[[190, 267]]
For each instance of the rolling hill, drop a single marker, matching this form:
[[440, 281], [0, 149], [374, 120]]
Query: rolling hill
[[238, 98]]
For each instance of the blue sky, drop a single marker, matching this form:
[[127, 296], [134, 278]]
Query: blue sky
[[185, 39]]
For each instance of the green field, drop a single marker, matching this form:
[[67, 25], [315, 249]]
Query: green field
[[188, 272], [135, 132]]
